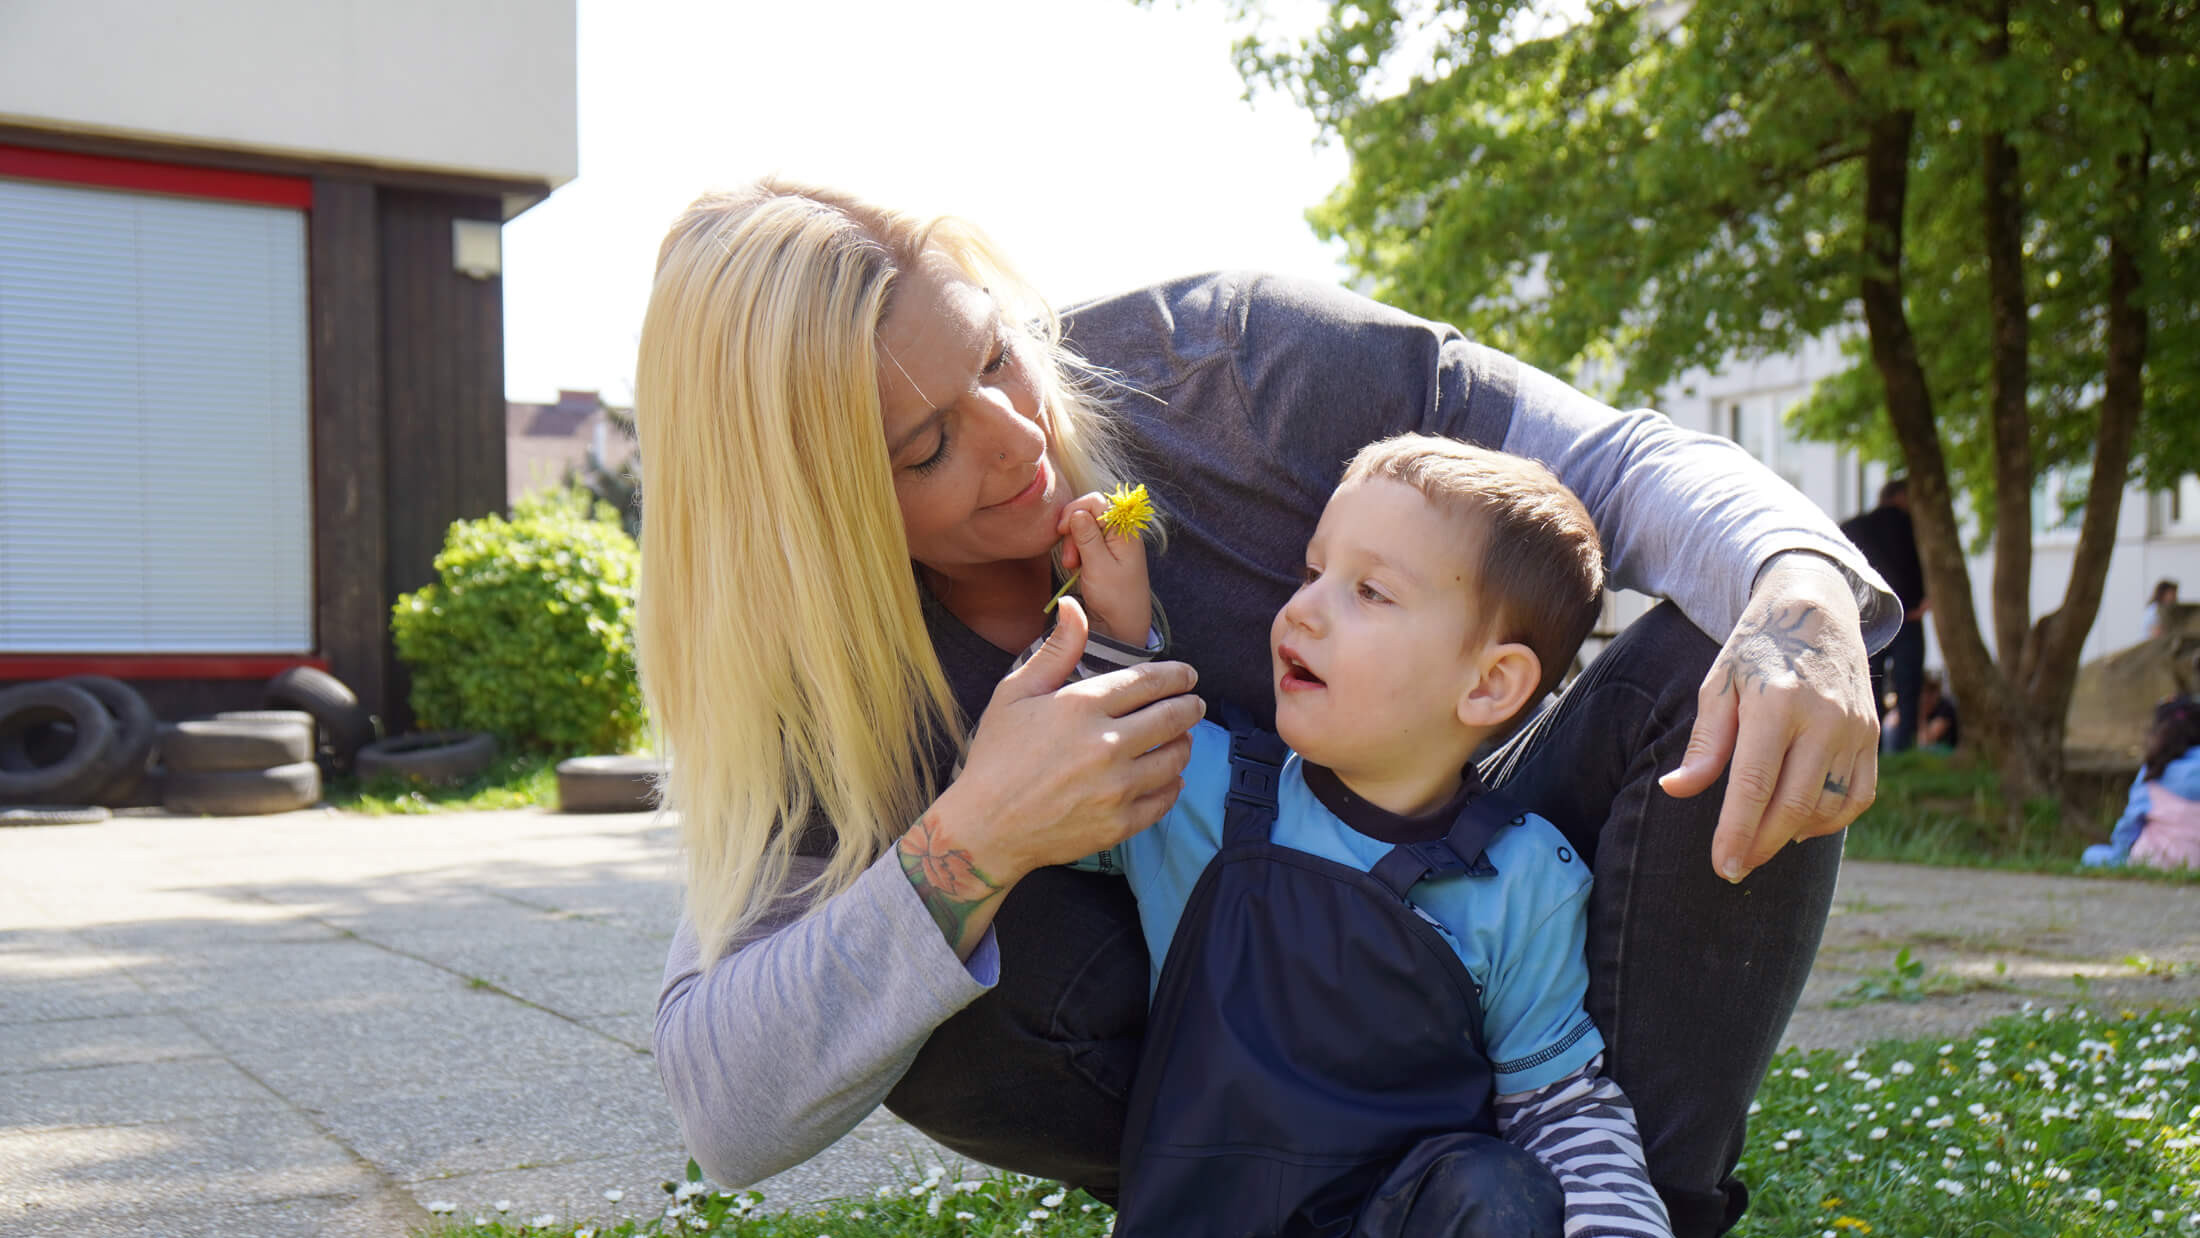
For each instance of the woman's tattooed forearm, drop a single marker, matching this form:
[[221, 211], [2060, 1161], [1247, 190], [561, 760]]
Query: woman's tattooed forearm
[[949, 883], [1767, 645]]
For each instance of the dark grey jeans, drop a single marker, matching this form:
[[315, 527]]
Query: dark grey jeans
[[1691, 980]]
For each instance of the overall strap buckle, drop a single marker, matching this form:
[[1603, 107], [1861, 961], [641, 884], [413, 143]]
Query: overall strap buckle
[[1256, 773], [1461, 851]]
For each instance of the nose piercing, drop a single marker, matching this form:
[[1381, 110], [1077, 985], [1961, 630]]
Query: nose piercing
[[1003, 455]]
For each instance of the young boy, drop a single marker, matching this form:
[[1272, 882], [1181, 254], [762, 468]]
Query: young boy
[[1368, 972]]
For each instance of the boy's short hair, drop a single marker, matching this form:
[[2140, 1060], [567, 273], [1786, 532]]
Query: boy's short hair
[[1539, 562]]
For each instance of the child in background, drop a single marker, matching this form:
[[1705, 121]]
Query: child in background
[[1368, 972], [2160, 827]]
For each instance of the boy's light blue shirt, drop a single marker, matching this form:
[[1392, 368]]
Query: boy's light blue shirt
[[1521, 933]]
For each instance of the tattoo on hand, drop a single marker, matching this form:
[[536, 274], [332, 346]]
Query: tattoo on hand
[[1766, 646], [950, 885]]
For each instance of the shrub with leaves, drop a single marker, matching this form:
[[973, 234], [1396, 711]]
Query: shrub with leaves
[[529, 630]]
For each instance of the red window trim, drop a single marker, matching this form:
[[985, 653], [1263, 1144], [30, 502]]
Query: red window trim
[[145, 176], [154, 665]]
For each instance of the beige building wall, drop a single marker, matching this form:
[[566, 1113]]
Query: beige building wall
[[483, 87]]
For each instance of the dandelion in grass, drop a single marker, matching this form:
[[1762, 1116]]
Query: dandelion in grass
[[1130, 512]]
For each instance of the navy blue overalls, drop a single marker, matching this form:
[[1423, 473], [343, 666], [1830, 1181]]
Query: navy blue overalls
[[1314, 1061]]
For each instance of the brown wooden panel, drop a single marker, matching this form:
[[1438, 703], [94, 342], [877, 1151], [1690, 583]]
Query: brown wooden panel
[[443, 387], [352, 602]]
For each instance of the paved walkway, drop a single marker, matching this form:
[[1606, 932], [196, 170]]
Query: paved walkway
[[319, 1024]]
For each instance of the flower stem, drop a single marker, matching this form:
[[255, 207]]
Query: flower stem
[[1049, 607]]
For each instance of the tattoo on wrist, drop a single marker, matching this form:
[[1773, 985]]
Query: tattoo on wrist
[[1767, 645], [951, 885]]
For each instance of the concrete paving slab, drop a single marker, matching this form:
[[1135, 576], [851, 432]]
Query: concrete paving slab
[[224, 1160], [634, 1028], [77, 1043], [197, 977], [86, 988], [130, 1094], [544, 1120], [341, 1216], [389, 1047], [579, 985]]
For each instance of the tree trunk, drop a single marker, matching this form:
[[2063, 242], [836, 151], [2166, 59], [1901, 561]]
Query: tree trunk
[[2060, 637], [2010, 387], [1992, 710]]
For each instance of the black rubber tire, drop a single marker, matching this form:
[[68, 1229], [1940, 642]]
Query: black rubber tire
[[142, 791], [74, 814], [91, 760], [430, 756], [243, 792], [292, 717], [38, 745], [135, 731], [609, 784], [209, 746], [346, 726]]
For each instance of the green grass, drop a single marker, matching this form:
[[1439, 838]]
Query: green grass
[[2044, 1125], [517, 780], [1907, 979], [1941, 809], [2048, 1124], [1938, 809]]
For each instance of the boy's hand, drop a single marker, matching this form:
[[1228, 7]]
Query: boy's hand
[[1111, 572]]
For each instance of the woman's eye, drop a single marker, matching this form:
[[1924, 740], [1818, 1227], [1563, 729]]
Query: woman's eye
[[936, 459], [1002, 354]]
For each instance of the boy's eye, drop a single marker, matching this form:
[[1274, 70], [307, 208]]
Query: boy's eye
[[1369, 593], [1308, 574]]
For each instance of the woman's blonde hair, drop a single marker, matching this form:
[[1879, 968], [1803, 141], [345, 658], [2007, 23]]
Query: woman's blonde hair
[[782, 642]]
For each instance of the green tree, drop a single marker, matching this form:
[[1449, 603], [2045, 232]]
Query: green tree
[[1993, 199]]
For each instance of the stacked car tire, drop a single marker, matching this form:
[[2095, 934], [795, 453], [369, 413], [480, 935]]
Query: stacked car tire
[[90, 740], [72, 744]]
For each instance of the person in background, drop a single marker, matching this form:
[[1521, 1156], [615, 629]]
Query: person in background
[[1889, 543], [2160, 827], [2159, 606], [1940, 728]]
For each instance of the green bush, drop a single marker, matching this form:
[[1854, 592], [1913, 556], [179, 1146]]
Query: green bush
[[529, 632]]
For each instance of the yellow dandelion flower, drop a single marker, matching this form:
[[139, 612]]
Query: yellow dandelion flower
[[1129, 512], [1859, 1224]]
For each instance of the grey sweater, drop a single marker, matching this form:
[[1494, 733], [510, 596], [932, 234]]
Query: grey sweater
[[1241, 397]]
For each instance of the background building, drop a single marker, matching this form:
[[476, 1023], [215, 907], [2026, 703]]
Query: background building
[[2158, 534], [251, 358]]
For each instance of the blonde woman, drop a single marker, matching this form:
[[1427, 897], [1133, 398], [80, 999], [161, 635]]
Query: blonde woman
[[867, 442]]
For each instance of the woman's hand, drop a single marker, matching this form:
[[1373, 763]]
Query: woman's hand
[[1111, 572], [1054, 774], [1789, 699]]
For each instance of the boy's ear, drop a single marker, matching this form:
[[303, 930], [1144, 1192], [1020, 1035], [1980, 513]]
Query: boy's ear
[[1509, 677]]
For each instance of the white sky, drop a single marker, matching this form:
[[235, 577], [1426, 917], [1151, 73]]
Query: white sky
[[1104, 145]]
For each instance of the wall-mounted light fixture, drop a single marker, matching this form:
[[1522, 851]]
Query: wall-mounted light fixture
[[477, 248]]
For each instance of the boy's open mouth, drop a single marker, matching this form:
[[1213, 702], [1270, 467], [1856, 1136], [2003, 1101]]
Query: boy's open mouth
[[1295, 672]]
